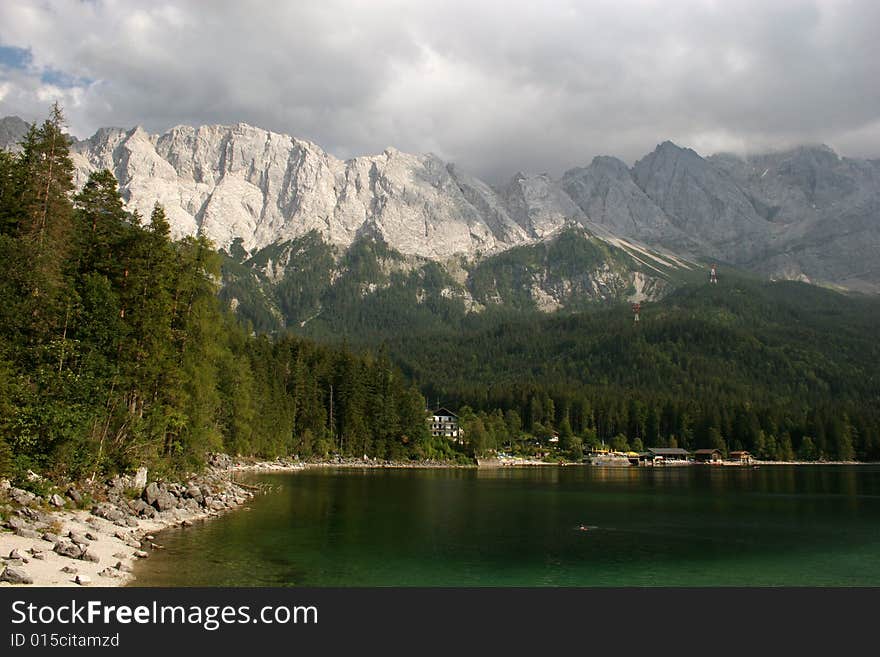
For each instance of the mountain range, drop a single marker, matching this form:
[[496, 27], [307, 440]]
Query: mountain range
[[804, 214]]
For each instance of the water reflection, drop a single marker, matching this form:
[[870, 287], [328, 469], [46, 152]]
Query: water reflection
[[520, 526]]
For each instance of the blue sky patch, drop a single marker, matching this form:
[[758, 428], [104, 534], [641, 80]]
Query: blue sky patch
[[62, 79], [15, 57]]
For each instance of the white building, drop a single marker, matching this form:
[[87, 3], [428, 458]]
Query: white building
[[444, 424]]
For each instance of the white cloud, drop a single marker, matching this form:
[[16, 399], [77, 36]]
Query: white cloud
[[496, 86]]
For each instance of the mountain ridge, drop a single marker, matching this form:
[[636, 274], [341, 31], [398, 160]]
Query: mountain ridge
[[804, 213]]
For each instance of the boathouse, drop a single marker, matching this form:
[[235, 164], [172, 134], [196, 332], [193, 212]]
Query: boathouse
[[708, 456], [741, 456], [668, 454]]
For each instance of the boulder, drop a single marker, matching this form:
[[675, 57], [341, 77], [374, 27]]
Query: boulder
[[17, 522], [124, 567], [16, 575], [164, 501], [78, 538], [74, 495], [40, 556], [91, 537], [151, 493], [109, 572], [56, 500], [137, 506], [50, 537], [21, 496], [15, 554], [68, 549], [83, 580], [128, 539], [33, 514], [27, 533], [140, 479], [70, 570], [90, 555], [108, 512], [140, 554], [194, 493]]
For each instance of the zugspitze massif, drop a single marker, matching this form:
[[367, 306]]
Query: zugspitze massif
[[806, 213]]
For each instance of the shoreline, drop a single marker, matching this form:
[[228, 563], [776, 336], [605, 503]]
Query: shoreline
[[92, 535], [46, 543]]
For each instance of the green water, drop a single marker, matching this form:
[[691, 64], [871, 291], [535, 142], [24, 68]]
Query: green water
[[520, 526]]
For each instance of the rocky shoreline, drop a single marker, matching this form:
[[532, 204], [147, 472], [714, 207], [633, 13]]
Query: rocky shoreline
[[92, 533]]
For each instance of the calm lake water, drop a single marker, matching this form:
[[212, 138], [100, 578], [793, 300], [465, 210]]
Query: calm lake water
[[697, 526]]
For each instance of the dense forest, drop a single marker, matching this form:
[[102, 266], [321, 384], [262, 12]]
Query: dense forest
[[115, 350], [785, 370]]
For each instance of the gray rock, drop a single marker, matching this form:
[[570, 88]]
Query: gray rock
[[15, 554], [40, 556], [27, 533], [109, 572], [140, 479], [70, 570], [91, 537], [140, 554], [128, 539], [34, 514], [78, 538], [83, 580], [120, 555], [74, 495], [151, 493], [50, 537], [21, 496], [137, 506], [89, 555], [17, 522], [164, 501], [124, 567], [68, 549], [108, 512], [16, 575], [56, 500]]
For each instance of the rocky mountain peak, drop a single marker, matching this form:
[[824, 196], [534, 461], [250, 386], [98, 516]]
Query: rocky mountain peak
[[12, 131], [805, 210]]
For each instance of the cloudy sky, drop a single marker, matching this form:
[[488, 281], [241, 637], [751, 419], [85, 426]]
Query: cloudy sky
[[494, 86]]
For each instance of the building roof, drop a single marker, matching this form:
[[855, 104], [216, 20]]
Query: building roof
[[707, 451], [740, 452], [444, 411], [668, 451]]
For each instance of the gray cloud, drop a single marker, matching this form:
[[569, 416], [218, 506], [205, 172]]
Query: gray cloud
[[494, 86]]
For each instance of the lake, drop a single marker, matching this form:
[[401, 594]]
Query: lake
[[687, 526]]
